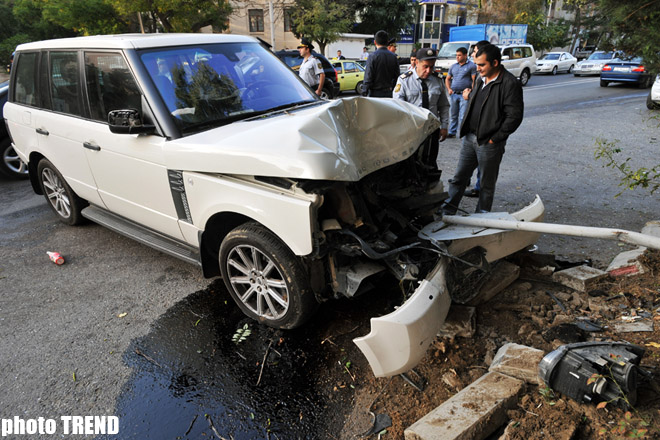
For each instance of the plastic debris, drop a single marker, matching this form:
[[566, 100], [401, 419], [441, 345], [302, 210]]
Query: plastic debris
[[56, 258]]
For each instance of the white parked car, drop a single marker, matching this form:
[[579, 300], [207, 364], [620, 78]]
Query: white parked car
[[555, 62], [520, 60], [653, 100], [209, 148], [594, 64]]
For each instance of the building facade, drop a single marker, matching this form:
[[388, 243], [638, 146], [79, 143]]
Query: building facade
[[269, 20]]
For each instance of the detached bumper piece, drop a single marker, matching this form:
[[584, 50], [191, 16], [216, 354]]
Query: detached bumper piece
[[398, 341], [593, 372]]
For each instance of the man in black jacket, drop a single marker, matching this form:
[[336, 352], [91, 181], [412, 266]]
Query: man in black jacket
[[495, 111], [382, 69]]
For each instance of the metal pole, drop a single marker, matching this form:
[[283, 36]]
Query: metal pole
[[550, 228], [272, 23]]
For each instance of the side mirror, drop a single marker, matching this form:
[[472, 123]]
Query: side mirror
[[505, 57], [128, 121]]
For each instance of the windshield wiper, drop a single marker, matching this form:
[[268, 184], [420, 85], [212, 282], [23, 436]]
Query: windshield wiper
[[290, 106], [214, 123]]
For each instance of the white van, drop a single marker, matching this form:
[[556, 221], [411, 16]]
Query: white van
[[520, 60]]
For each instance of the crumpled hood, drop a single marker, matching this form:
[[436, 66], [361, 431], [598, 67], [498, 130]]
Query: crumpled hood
[[344, 140]]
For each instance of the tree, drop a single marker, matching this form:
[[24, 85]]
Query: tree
[[505, 11], [391, 16], [321, 21], [90, 17], [541, 35], [180, 15]]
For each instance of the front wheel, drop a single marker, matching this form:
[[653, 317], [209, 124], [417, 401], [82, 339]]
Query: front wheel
[[66, 204], [604, 83], [265, 279], [650, 104], [554, 70], [524, 77]]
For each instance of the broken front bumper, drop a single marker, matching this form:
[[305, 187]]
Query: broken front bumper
[[398, 341]]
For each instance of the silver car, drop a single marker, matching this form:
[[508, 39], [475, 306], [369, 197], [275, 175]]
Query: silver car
[[594, 64]]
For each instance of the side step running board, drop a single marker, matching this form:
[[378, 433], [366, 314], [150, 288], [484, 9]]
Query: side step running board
[[144, 235]]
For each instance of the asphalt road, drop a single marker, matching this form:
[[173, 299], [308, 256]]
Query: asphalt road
[[63, 342]]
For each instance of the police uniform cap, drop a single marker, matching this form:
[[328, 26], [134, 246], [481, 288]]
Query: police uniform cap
[[305, 42], [392, 42], [427, 53]]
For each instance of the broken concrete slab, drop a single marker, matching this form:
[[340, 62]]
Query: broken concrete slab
[[472, 414], [652, 228], [580, 278], [637, 326], [503, 274], [627, 263], [518, 361], [461, 321]]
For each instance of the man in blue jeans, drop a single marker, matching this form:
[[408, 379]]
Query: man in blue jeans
[[495, 110], [460, 77]]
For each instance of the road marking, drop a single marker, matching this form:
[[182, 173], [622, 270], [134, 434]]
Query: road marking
[[562, 84]]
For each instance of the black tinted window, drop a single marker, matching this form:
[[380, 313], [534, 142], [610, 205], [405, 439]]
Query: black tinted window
[[110, 84], [25, 84], [64, 82]]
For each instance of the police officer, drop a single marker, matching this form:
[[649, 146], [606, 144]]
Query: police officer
[[422, 87], [311, 70], [381, 70]]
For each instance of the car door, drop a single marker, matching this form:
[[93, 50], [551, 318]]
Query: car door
[[564, 62], [350, 75], [129, 170], [512, 64]]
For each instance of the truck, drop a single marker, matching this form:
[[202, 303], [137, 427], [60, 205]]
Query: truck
[[468, 36]]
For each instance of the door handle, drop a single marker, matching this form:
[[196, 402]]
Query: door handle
[[42, 131], [91, 146]]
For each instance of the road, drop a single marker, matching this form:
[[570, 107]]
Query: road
[[69, 334]]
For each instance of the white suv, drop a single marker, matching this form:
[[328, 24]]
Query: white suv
[[520, 60], [210, 148]]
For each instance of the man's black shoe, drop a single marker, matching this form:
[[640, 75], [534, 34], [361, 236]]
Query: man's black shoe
[[471, 193], [451, 136]]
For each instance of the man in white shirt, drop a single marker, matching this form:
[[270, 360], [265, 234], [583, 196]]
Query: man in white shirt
[[311, 70]]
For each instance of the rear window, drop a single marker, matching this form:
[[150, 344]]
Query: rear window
[[26, 78]]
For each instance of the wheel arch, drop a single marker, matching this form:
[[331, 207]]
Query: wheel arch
[[33, 164], [216, 229]]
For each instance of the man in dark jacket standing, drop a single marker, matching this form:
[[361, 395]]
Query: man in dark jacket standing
[[495, 111], [382, 69]]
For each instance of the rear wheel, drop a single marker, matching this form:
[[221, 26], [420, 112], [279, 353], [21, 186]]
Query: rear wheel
[[358, 88], [326, 93], [645, 83], [570, 69], [66, 204], [604, 83], [265, 279], [524, 77], [10, 164]]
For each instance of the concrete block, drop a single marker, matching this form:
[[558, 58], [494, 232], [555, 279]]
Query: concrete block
[[582, 278], [652, 228], [472, 414], [627, 263], [461, 321], [518, 361], [503, 274], [632, 327]]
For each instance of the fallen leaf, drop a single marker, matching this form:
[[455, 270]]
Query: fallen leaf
[[121, 315], [601, 405], [653, 344]]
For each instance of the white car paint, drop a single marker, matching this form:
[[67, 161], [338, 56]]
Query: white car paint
[[554, 62], [594, 64]]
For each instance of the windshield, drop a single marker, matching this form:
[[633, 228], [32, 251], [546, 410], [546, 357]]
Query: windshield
[[550, 56], [601, 56], [215, 84], [448, 50]]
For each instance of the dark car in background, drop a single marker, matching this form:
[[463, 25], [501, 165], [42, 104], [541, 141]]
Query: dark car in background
[[10, 164], [293, 59], [626, 70]]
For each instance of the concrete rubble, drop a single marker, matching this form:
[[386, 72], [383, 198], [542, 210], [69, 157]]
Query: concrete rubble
[[580, 278]]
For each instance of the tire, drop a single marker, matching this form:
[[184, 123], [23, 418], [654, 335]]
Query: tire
[[358, 88], [576, 74], [604, 83], [554, 70], [11, 165], [650, 104], [326, 93], [265, 279], [570, 69], [524, 77], [645, 83], [61, 198]]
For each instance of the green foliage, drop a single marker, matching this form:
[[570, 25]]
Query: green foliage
[[548, 395], [90, 17], [648, 178], [389, 15], [321, 20], [241, 334], [541, 35]]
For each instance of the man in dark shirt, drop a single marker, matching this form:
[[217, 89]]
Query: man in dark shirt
[[495, 111], [382, 69]]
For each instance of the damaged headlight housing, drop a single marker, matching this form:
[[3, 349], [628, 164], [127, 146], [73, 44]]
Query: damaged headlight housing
[[592, 372]]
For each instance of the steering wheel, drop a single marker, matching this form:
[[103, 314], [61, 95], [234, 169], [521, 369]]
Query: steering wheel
[[254, 90]]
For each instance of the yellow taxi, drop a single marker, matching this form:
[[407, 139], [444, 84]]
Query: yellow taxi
[[350, 75]]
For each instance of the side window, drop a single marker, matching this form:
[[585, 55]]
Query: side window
[[507, 52], [350, 67], [527, 52], [26, 81], [65, 82], [110, 84]]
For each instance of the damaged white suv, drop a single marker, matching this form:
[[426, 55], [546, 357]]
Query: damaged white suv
[[209, 148]]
